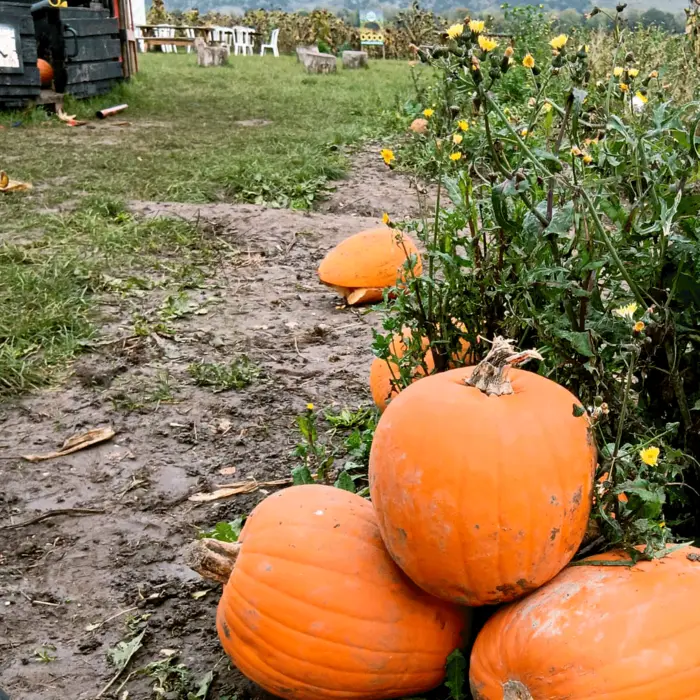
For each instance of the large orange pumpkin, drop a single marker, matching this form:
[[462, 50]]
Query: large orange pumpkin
[[362, 266], [45, 72], [482, 491], [608, 632], [315, 608], [383, 374]]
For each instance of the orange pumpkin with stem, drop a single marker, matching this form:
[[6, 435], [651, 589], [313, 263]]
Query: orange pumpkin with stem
[[362, 266], [315, 608], [598, 631], [482, 479]]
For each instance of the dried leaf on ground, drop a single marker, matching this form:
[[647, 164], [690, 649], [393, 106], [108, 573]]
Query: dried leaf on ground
[[7, 185], [228, 490], [75, 443]]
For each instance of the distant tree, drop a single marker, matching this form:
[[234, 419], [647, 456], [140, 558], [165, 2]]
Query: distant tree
[[662, 19], [568, 19]]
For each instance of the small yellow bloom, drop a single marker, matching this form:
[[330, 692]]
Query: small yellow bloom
[[626, 311], [487, 44], [662, 524], [455, 30], [463, 124], [650, 456], [587, 158], [547, 107], [641, 97], [654, 74], [633, 72], [476, 26], [638, 327], [385, 219], [428, 112], [455, 156], [388, 155], [618, 71], [524, 133], [624, 87], [529, 61], [559, 42], [457, 139], [309, 407]]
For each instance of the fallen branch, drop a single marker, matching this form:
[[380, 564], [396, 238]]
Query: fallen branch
[[53, 514], [212, 559]]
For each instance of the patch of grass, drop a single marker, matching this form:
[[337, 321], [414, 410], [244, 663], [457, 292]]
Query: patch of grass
[[219, 377]]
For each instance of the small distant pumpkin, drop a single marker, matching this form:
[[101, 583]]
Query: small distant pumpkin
[[315, 609], [419, 126], [482, 479], [383, 374], [45, 72], [362, 266], [598, 631]]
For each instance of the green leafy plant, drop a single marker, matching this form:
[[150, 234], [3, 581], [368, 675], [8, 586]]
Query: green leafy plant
[[566, 219], [219, 377], [225, 531]]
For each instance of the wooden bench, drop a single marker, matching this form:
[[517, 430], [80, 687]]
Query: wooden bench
[[150, 41]]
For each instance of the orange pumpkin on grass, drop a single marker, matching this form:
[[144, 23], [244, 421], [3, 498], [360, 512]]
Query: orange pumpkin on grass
[[362, 266], [608, 632], [482, 479], [316, 609], [383, 374]]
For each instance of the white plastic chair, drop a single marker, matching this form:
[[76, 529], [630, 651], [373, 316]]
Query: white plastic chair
[[243, 40], [138, 35], [222, 35], [272, 45], [165, 31]]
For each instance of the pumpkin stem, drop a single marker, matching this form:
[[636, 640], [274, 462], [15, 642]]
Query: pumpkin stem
[[212, 559], [489, 375], [515, 690]]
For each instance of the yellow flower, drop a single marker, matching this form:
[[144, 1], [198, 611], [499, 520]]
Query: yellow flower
[[524, 133], [487, 44], [654, 74], [428, 112], [626, 311], [385, 219], [633, 72], [650, 456], [641, 97], [455, 156], [587, 158], [455, 30], [618, 71], [559, 42], [638, 327], [624, 87], [476, 26], [463, 124], [388, 155], [309, 407], [547, 107], [529, 61], [457, 139]]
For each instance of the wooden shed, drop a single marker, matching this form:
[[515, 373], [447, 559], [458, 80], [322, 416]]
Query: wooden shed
[[90, 45]]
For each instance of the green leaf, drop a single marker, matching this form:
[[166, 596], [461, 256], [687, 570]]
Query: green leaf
[[302, 475], [345, 482], [562, 220], [580, 341], [455, 675], [226, 531], [120, 655], [202, 689]]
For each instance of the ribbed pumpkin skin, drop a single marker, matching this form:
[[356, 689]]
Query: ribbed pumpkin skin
[[608, 632], [315, 607], [372, 258], [481, 499]]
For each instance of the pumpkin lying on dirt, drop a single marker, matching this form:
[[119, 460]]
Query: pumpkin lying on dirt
[[315, 608], [362, 266], [383, 374], [482, 479], [598, 631]]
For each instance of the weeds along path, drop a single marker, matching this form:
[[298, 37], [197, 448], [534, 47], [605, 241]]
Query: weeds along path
[[163, 372]]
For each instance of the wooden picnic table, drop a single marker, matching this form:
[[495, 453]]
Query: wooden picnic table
[[206, 32]]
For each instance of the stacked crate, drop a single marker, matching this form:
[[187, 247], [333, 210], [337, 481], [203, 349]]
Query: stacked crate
[[19, 75]]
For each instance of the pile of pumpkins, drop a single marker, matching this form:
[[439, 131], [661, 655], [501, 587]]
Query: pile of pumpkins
[[481, 482]]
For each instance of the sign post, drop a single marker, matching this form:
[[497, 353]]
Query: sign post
[[372, 29]]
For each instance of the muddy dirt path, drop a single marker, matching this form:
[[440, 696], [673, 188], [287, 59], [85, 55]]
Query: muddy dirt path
[[73, 585]]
